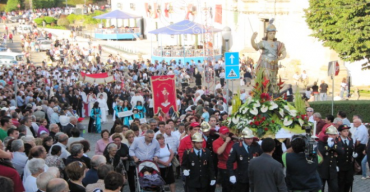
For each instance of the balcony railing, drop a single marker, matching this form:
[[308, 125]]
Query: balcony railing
[[118, 30], [184, 52]]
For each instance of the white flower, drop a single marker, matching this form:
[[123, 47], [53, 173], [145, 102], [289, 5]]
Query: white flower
[[245, 110], [281, 112], [300, 122], [264, 108], [287, 121], [273, 105], [235, 119], [254, 111], [286, 107], [293, 112], [248, 100], [257, 104]]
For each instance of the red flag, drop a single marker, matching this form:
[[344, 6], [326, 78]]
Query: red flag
[[166, 10], [96, 75], [164, 93], [218, 15]]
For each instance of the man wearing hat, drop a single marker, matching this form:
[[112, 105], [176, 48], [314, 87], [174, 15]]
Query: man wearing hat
[[197, 166], [242, 153], [186, 142], [209, 135], [345, 160], [222, 147], [329, 149]]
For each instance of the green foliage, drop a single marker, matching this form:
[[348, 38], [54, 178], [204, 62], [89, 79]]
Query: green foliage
[[11, 5], [49, 20], [361, 108], [63, 22], [56, 27], [299, 102], [342, 25], [38, 21], [71, 18]]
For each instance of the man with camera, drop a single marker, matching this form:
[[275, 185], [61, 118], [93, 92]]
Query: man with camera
[[242, 153], [301, 169], [330, 149]]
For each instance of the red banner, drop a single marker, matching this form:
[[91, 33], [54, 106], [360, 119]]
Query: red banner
[[96, 75], [218, 15], [164, 93]]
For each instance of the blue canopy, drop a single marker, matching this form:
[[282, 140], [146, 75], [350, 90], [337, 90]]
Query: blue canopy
[[184, 27], [116, 14]]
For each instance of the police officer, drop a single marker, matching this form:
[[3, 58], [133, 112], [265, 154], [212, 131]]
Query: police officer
[[345, 160], [198, 166], [329, 150], [209, 135], [242, 153]]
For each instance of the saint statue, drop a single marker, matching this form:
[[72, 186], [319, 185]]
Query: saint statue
[[272, 52], [165, 98]]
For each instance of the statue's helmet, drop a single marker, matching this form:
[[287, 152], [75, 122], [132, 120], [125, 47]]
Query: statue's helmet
[[271, 27]]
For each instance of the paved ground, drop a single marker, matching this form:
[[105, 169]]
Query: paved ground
[[358, 186]]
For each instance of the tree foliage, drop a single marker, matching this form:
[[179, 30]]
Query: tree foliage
[[11, 5], [342, 25]]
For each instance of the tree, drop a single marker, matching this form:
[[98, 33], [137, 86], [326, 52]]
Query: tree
[[11, 5], [342, 25]]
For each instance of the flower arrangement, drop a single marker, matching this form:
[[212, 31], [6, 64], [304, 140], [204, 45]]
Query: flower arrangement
[[266, 115]]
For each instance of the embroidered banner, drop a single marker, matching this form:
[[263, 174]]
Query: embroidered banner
[[164, 93]]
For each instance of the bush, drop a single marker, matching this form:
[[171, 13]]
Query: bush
[[361, 108], [38, 21], [62, 16], [63, 22], [49, 20], [11, 5], [71, 18]]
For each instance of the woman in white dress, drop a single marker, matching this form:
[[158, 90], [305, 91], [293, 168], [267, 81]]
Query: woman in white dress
[[91, 99], [103, 107]]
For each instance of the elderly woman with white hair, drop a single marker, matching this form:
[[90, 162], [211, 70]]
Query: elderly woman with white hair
[[36, 167], [19, 157], [55, 116]]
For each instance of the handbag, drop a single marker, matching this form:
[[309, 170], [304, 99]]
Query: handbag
[[356, 167], [175, 162]]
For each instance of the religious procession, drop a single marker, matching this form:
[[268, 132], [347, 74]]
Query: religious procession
[[149, 101]]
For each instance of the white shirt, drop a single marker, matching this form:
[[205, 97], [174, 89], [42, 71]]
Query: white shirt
[[172, 140], [30, 184], [361, 134], [19, 161], [164, 155], [200, 91], [64, 120]]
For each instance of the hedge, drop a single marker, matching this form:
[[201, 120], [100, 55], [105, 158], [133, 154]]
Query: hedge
[[361, 108], [63, 22], [38, 21], [11, 5], [49, 20]]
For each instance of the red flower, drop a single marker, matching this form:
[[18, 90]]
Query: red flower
[[251, 123], [263, 118], [272, 121], [254, 117], [266, 129], [265, 82], [297, 117], [292, 118]]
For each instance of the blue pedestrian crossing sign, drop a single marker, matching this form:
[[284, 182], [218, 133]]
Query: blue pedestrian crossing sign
[[232, 70]]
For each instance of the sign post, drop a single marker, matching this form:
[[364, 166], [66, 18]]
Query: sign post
[[333, 70], [232, 70]]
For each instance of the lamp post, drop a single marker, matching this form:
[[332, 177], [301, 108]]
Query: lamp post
[[226, 34]]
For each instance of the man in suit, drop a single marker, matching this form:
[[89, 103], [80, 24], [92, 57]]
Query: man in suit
[[264, 172], [345, 160], [198, 166], [72, 124], [209, 136], [329, 149], [242, 153]]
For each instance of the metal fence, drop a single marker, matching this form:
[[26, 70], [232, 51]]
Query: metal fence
[[119, 30], [184, 52]]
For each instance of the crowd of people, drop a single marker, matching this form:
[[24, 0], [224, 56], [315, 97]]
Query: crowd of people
[[43, 148]]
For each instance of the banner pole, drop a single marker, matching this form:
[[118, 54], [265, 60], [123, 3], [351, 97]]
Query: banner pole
[[332, 95]]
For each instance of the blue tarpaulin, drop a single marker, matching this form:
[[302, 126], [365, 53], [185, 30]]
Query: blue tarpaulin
[[184, 27], [117, 14]]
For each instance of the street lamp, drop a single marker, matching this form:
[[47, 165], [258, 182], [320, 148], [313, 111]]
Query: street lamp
[[226, 34]]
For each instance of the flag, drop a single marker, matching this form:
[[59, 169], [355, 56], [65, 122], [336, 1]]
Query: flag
[[164, 93], [218, 15]]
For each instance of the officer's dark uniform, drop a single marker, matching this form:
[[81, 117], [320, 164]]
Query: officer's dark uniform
[[328, 168], [201, 170], [212, 137], [345, 164], [242, 157]]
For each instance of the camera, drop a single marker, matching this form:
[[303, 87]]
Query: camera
[[311, 144]]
